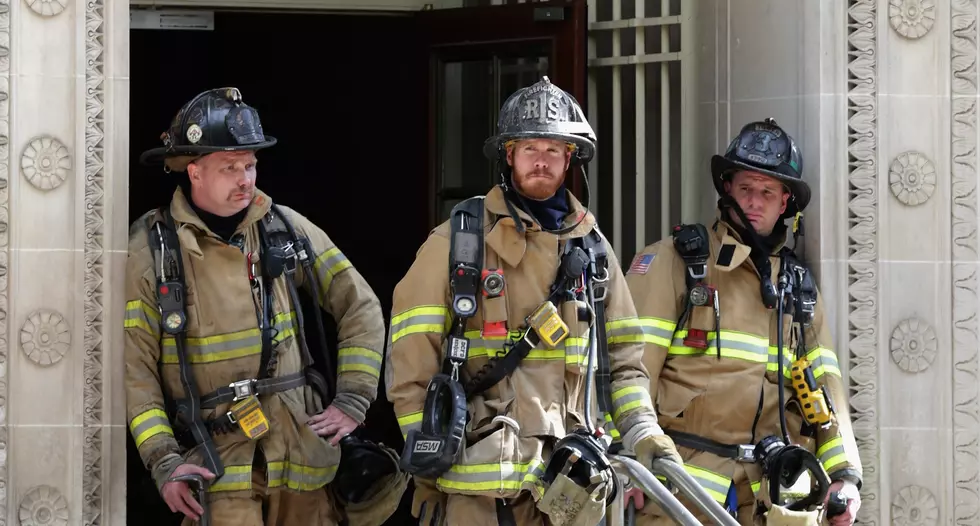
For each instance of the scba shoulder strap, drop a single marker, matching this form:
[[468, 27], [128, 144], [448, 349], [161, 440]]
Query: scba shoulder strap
[[171, 302], [282, 251]]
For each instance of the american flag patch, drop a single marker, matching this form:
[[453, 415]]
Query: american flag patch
[[641, 264]]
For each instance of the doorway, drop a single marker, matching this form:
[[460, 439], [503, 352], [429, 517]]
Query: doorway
[[343, 104], [380, 120]]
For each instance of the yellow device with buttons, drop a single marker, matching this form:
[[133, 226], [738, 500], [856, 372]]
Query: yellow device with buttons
[[547, 323], [247, 413], [815, 403]]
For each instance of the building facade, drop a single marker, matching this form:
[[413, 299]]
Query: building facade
[[881, 94]]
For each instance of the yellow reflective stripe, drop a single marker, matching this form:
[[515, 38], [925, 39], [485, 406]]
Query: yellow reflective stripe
[[328, 265], [756, 486], [409, 422], [299, 477], [236, 478], [142, 315], [150, 423], [716, 485], [629, 398], [504, 476], [422, 319], [284, 325], [576, 351], [610, 426], [216, 348], [737, 345], [831, 453], [646, 330], [625, 330], [359, 359], [824, 361], [490, 346]]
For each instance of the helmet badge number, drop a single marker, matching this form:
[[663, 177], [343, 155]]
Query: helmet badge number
[[194, 133]]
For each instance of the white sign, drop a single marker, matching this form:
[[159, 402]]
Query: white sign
[[171, 19]]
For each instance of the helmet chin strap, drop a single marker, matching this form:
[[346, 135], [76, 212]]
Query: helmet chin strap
[[510, 189]]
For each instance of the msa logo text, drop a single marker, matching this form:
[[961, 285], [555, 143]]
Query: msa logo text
[[427, 446]]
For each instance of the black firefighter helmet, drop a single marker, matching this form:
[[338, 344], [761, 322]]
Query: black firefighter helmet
[[542, 111], [213, 121], [766, 148]]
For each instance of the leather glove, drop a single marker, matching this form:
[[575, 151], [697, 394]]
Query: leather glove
[[428, 504], [651, 447]]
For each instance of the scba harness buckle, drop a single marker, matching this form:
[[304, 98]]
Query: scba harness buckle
[[431, 451]]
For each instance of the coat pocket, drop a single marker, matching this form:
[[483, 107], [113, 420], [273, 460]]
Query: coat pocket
[[501, 465]]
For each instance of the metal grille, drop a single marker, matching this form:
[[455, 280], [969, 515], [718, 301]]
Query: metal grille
[[635, 98]]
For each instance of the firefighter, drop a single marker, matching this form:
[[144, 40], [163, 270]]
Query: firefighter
[[220, 384], [489, 359], [709, 301]]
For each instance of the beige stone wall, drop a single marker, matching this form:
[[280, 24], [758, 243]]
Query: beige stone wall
[[64, 102]]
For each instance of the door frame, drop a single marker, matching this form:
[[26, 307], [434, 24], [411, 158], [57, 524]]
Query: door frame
[[478, 32]]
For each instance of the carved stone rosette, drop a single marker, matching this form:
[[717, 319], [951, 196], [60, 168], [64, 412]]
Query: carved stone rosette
[[43, 506], [46, 163], [914, 345], [912, 178], [912, 18], [914, 506], [47, 7], [45, 337]]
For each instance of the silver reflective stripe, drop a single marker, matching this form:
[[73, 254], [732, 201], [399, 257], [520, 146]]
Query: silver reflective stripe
[[328, 265], [824, 361], [716, 485], [215, 348], [657, 331], [624, 330], [283, 323], [299, 477], [422, 319], [148, 424], [629, 398], [576, 351], [492, 477], [410, 422], [733, 345], [142, 315], [236, 478], [831, 453], [359, 359]]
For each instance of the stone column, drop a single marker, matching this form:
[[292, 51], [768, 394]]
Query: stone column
[[63, 236]]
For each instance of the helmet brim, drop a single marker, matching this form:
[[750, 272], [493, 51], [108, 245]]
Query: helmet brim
[[156, 156], [800, 191], [493, 145]]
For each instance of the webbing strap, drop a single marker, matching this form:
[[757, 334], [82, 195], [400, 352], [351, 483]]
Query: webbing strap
[[593, 244], [502, 367], [188, 407], [257, 387], [691, 243]]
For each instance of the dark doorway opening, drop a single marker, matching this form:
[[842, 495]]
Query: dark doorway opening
[[346, 96]]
